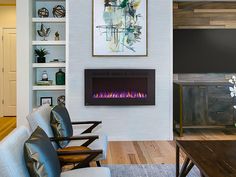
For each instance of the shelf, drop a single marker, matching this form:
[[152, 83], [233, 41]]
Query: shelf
[[57, 49], [51, 0], [48, 42], [48, 20], [49, 65], [48, 88]]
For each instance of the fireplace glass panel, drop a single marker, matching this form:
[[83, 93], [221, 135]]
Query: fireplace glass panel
[[119, 87], [126, 88]]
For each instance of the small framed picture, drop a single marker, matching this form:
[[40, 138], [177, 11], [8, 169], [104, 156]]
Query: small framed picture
[[46, 100]]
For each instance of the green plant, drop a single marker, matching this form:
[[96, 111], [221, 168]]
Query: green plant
[[41, 52]]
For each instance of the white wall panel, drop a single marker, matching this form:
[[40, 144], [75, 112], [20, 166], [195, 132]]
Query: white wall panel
[[121, 122]]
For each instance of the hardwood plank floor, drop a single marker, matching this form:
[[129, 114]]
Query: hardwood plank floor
[[143, 152], [160, 152], [7, 124]]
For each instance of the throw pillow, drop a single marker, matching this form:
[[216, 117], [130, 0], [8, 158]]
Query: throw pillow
[[61, 124], [40, 156]]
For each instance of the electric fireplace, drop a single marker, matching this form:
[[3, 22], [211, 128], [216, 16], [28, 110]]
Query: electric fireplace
[[119, 87]]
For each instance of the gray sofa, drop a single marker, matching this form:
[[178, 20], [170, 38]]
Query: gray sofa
[[12, 163]]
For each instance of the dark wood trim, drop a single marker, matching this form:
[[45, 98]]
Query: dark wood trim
[[73, 138], [177, 161], [181, 111], [98, 163], [90, 129], [85, 152], [89, 139], [86, 122], [211, 157]]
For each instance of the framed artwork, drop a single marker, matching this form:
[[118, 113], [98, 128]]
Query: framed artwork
[[46, 100], [120, 28]]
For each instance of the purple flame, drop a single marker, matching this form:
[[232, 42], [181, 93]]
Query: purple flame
[[121, 94]]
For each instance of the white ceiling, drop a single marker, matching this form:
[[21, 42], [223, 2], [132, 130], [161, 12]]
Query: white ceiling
[[7, 1]]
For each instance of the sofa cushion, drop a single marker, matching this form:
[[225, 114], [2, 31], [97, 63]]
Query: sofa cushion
[[40, 156], [88, 172], [61, 124], [41, 117], [12, 161]]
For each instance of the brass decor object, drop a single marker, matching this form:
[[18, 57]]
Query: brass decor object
[[43, 12], [59, 11], [44, 32]]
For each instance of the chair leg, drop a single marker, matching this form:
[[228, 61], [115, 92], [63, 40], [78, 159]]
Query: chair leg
[[85, 162], [98, 163]]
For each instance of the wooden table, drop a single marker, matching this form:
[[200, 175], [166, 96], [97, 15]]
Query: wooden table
[[213, 158]]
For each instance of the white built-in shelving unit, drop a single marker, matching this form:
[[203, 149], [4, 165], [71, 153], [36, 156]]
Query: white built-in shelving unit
[[49, 65], [53, 43], [48, 20], [56, 49], [47, 88]]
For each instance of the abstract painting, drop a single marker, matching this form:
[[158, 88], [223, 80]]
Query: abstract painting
[[120, 28]]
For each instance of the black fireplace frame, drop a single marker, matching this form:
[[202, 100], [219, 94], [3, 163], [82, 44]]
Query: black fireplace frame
[[136, 73]]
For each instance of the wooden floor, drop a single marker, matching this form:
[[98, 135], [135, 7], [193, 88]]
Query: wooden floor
[[7, 124], [143, 152], [160, 152]]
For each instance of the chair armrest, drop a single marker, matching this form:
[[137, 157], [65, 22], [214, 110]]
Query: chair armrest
[[90, 129], [73, 138], [86, 122], [89, 139], [80, 152]]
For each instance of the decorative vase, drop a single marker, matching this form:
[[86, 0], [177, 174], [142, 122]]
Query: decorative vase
[[41, 59], [60, 77]]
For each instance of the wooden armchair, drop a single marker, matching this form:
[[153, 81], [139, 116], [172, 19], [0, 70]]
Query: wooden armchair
[[81, 156], [41, 117]]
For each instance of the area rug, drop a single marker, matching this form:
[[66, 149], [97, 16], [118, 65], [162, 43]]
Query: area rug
[[152, 170]]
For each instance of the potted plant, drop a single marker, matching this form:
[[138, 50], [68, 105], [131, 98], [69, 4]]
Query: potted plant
[[41, 53]]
